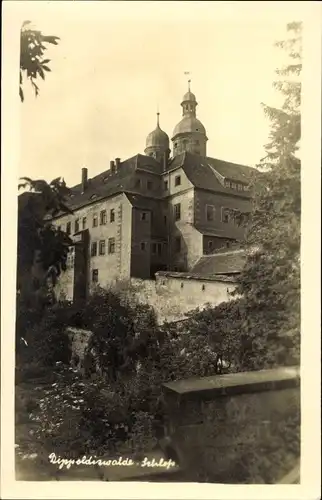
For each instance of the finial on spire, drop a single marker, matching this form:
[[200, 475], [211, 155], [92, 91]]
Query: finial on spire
[[158, 114], [187, 73]]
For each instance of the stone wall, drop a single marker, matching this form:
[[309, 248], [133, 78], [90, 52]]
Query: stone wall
[[173, 297], [79, 339], [237, 428]]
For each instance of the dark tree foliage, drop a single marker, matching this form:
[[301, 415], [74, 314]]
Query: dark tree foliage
[[39, 242], [33, 63], [270, 281]]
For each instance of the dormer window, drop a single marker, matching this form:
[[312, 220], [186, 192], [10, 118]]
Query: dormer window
[[177, 180], [93, 196]]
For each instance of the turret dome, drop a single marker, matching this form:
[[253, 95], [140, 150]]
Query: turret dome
[[189, 124], [157, 143], [189, 134], [157, 138], [189, 96]]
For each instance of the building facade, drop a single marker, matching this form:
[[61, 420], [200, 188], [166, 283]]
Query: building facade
[[154, 212]]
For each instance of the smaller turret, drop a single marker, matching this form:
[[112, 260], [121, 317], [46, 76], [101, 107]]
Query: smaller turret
[[157, 143]]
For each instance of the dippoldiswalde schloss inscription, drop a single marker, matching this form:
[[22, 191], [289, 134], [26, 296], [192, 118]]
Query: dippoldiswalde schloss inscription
[[158, 262]]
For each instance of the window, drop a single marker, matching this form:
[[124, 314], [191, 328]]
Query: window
[[197, 142], [203, 288], [138, 183], [149, 185], [58, 228], [93, 196], [181, 286], [233, 185], [84, 221], [103, 217], [111, 245], [68, 227], [154, 248], [227, 184], [245, 188], [165, 185], [112, 215], [159, 247], [102, 247], [177, 211], [177, 180], [239, 187], [95, 275], [94, 249], [143, 216], [76, 225], [225, 215], [210, 212], [143, 246], [95, 220], [177, 242], [210, 244]]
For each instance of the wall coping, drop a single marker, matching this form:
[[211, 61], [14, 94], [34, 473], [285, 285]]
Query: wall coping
[[235, 383], [197, 277]]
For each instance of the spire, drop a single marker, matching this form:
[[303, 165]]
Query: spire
[[158, 118], [189, 81]]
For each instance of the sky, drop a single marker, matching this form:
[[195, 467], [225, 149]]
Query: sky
[[117, 62]]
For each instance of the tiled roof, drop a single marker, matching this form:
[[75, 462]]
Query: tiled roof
[[199, 171], [107, 183], [139, 201], [227, 232], [197, 168], [222, 263]]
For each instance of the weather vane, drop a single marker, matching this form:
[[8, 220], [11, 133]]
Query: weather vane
[[187, 73]]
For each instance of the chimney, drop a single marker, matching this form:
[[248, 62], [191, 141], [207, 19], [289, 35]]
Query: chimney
[[112, 166], [84, 178], [117, 163]]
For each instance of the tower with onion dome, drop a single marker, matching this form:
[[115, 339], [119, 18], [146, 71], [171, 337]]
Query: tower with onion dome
[[189, 134], [157, 143]]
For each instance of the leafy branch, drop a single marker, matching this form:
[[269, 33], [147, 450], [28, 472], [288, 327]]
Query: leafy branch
[[33, 63]]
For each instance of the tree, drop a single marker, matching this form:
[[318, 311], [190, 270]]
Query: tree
[[42, 248], [270, 280], [32, 61]]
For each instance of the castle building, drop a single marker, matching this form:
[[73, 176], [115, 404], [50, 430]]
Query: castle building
[[154, 211]]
